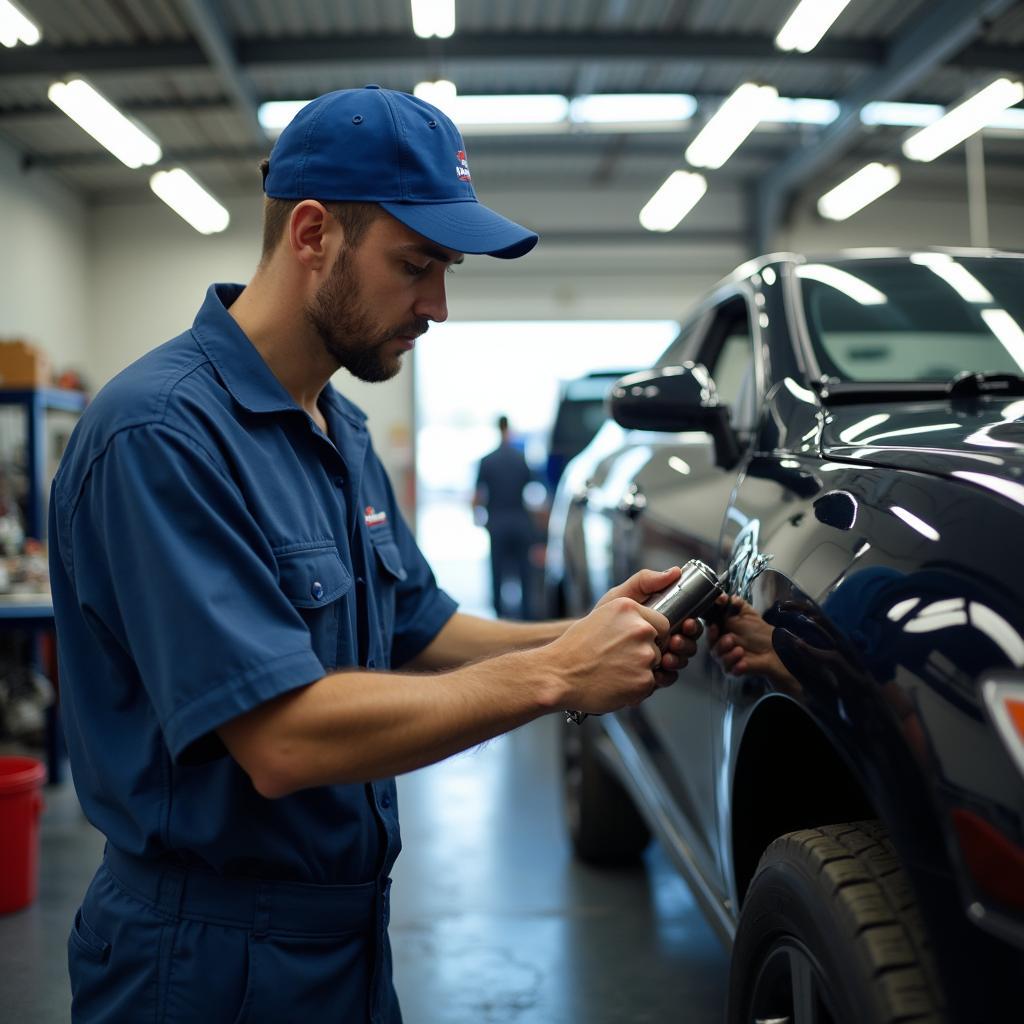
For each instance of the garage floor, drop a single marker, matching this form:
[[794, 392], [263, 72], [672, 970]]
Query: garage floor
[[492, 920]]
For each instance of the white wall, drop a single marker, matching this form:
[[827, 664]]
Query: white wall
[[909, 217], [150, 272], [44, 289]]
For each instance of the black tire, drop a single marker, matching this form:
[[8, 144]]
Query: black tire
[[830, 921], [605, 827]]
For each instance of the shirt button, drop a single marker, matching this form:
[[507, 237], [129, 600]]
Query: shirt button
[[385, 801], [317, 590], [338, 481]]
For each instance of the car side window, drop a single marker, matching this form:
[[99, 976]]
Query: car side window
[[728, 353], [681, 347]]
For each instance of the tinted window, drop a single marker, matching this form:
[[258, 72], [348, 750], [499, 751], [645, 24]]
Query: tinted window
[[728, 353], [901, 320]]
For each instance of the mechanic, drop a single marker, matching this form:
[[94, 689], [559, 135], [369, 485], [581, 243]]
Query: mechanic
[[251, 643]]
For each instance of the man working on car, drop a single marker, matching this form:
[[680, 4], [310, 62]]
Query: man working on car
[[251, 643]]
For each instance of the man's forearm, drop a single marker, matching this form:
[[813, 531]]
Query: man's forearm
[[357, 726], [467, 638]]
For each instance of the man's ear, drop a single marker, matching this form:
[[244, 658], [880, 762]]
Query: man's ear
[[314, 235]]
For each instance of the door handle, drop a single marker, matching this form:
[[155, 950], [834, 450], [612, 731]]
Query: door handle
[[581, 497], [632, 503]]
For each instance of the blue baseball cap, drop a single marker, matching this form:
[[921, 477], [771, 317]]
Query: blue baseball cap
[[374, 145]]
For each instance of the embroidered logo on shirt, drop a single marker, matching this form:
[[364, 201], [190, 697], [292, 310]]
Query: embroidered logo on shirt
[[462, 167], [374, 518]]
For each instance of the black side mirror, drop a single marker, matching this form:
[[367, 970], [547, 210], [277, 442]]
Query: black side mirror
[[675, 398]]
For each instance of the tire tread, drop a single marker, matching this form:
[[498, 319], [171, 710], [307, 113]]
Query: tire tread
[[857, 864]]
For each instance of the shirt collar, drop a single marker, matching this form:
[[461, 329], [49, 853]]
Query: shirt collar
[[244, 371]]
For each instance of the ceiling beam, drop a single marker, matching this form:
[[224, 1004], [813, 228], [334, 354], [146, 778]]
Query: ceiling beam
[[208, 26], [335, 50], [943, 30]]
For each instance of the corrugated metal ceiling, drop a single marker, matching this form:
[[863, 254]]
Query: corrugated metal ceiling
[[187, 104]]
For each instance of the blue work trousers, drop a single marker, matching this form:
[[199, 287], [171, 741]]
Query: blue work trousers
[[153, 943]]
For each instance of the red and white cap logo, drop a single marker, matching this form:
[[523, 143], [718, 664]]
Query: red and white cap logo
[[462, 167]]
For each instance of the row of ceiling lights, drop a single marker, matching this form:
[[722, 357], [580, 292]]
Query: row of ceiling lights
[[747, 107], [121, 135]]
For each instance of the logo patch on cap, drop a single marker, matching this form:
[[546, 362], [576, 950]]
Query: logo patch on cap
[[462, 167]]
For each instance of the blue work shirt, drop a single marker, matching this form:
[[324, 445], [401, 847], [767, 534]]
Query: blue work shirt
[[211, 549]]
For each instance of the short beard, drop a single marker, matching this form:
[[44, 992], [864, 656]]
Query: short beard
[[349, 334]]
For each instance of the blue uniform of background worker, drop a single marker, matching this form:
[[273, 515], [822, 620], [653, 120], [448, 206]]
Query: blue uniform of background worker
[[500, 480], [234, 589]]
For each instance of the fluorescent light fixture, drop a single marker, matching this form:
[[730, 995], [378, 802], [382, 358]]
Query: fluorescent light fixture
[[679, 194], [956, 275], [858, 191], [915, 524], [187, 198], [276, 115], [441, 94], [105, 123], [853, 287], [433, 18], [919, 115], [1008, 331], [511, 111], [908, 115], [16, 26], [808, 23], [964, 120], [800, 110], [632, 108], [734, 120]]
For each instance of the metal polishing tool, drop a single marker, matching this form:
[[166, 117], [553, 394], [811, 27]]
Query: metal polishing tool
[[692, 596]]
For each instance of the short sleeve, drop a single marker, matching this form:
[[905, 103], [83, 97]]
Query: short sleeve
[[421, 606], [170, 566]]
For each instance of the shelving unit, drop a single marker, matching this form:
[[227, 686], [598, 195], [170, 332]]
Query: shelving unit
[[36, 402], [33, 613]]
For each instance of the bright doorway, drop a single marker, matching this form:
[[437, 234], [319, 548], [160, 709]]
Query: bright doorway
[[465, 377]]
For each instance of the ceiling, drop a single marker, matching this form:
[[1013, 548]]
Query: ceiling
[[193, 72]]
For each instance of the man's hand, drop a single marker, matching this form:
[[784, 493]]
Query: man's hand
[[608, 659], [682, 644]]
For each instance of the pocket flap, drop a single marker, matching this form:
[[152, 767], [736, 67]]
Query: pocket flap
[[388, 554], [312, 577]]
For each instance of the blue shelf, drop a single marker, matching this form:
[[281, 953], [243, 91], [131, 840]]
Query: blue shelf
[[45, 398], [34, 612], [36, 403]]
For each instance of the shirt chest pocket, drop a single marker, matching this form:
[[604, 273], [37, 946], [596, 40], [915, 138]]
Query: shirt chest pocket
[[390, 572], [315, 580]]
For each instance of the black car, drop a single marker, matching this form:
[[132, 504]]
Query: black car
[[842, 440]]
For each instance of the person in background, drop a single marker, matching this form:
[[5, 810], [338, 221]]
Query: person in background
[[252, 645], [500, 481]]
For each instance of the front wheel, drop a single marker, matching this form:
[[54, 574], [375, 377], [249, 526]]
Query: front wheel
[[830, 934]]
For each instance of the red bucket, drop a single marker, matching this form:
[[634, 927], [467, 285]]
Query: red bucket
[[21, 802]]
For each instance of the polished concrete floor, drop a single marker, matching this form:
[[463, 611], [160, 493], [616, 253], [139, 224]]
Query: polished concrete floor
[[492, 920]]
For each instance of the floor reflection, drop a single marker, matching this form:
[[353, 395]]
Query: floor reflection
[[493, 921]]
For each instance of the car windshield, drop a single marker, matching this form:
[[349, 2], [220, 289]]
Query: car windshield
[[923, 318]]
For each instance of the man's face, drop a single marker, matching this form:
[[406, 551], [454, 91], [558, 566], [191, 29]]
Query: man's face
[[379, 297]]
